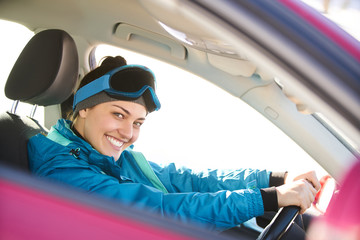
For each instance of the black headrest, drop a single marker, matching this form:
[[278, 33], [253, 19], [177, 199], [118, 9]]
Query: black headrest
[[46, 70]]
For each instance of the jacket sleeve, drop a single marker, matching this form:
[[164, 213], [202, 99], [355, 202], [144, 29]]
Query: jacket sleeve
[[218, 210], [186, 180]]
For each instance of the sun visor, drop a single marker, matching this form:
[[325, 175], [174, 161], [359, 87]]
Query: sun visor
[[153, 42], [236, 67]]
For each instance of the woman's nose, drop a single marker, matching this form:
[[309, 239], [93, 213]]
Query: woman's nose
[[126, 131]]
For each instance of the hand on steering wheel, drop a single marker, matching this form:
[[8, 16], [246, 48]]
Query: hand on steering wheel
[[300, 193], [296, 195]]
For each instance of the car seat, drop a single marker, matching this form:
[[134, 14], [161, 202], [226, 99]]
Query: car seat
[[44, 74]]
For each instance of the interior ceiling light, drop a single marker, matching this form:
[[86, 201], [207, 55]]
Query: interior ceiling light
[[205, 44]]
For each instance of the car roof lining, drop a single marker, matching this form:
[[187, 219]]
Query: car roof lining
[[120, 32]]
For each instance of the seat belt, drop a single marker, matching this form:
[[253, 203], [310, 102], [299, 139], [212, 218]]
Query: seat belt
[[148, 171]]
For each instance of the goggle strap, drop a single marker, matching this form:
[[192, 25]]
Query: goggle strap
[[91, 89]]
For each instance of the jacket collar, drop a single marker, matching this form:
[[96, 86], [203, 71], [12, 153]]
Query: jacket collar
[[62, 134]]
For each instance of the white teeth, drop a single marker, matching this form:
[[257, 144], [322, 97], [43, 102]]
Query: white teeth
[[114, 141]]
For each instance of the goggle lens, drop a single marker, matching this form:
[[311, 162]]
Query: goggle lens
[[139, 78]]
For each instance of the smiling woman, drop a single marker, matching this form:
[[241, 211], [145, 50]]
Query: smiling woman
[[93, 153], [111, 127]]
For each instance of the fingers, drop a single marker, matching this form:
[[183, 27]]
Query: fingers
[[306, 195], [299, 193], [314, 181], [309, 176]]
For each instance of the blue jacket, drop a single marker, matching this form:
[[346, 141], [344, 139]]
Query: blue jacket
[[218, 199]]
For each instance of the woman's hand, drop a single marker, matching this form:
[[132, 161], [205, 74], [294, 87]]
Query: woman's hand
[[309, 176], [299, 191]]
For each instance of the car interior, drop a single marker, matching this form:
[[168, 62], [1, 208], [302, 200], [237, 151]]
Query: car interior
[[181, 34]]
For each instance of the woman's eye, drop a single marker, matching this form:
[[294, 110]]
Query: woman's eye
[[138, 124], [119, 115]]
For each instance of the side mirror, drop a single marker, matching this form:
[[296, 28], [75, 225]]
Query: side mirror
[[326, 192]]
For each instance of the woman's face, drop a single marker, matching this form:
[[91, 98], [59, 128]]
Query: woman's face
[[111, 127]]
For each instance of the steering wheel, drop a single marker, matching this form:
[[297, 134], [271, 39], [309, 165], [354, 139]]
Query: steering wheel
[[280, 223]]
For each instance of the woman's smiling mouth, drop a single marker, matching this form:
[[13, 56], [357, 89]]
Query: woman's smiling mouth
[[115, 142]]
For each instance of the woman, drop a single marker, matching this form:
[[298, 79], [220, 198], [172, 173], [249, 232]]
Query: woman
[[93, 152]]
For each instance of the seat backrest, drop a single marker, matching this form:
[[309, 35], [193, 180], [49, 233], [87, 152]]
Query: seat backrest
[[44, 74]]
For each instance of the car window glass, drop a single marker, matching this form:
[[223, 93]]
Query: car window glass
[[200, 130], [11, 44]]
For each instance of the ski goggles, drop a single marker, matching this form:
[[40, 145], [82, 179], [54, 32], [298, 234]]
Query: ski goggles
[[127, 82]]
